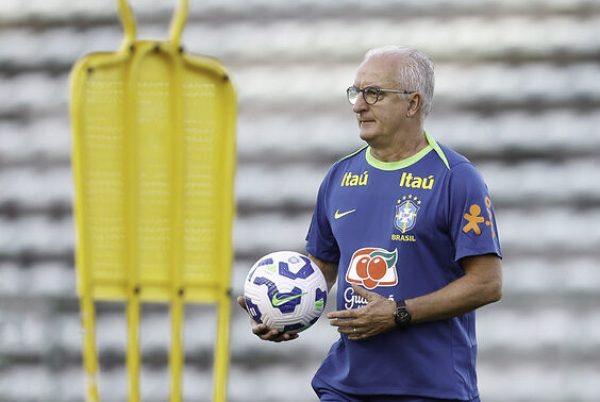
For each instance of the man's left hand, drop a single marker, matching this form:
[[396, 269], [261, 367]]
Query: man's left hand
[[361, 323]]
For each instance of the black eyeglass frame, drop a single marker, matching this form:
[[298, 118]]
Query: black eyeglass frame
[[373, 90]]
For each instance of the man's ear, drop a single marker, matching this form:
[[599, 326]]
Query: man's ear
[[414, 105]]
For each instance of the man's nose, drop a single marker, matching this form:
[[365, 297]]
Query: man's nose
[[360, 104]]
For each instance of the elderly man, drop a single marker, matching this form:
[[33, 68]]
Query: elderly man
[[407, 229]]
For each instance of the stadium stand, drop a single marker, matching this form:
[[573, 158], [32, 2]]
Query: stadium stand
[[517, 92]]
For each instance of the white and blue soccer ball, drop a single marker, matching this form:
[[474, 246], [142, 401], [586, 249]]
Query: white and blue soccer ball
[[286, 291]]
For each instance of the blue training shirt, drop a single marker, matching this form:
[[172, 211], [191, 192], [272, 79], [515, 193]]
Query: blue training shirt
[[400, 229]]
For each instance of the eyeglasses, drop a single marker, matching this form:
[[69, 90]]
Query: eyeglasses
[[371, 94]]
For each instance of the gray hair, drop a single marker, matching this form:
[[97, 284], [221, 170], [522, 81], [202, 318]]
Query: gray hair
[[416, 73]]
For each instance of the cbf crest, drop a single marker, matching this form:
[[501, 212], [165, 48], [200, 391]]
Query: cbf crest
[[406, 213]]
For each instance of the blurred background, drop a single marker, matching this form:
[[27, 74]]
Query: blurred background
[[517, 92]]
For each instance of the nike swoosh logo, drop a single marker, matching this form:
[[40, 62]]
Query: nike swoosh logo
[[276, 301], [339, 214]]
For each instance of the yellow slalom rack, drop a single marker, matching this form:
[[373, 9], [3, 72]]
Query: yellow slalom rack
[[153, 161]]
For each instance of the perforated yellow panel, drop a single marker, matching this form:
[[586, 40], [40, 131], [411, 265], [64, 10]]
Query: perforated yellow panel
[[153, 154]]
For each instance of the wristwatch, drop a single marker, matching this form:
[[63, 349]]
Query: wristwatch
[[402, 316]]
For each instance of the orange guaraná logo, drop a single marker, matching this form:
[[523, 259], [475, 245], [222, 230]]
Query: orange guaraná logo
[[372, 267]]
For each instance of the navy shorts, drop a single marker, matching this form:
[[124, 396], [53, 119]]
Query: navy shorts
[[327, 394]]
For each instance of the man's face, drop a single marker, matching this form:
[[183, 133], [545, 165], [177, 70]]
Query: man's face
[[381, 122]]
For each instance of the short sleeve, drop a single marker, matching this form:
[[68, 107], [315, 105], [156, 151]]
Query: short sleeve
[[320, 241], [472, 219]]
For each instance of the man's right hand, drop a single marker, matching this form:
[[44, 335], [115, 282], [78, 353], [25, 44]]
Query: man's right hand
[[264, 332]]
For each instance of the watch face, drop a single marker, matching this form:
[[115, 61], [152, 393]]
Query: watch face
[[402, 317]]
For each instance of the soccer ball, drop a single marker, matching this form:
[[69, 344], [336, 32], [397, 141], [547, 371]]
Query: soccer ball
[[286, 291]]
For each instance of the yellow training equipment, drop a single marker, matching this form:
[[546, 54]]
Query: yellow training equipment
[[153, 160]]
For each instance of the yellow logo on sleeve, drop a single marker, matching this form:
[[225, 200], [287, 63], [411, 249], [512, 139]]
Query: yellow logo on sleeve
[[473, 218]]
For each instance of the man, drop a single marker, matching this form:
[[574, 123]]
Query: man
[[407, 228]]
